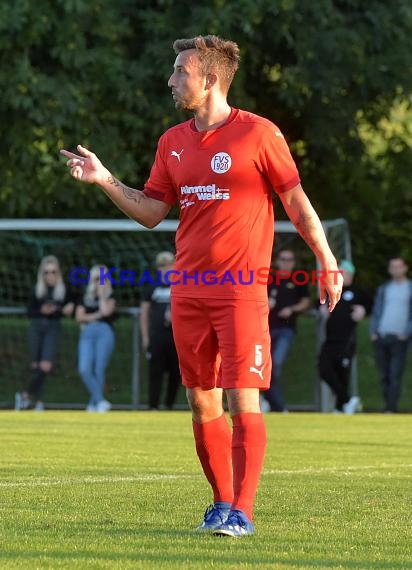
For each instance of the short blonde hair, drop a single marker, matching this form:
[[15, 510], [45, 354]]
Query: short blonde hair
[[215, 56]]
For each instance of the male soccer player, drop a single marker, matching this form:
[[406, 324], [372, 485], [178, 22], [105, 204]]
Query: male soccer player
[[221, 166]]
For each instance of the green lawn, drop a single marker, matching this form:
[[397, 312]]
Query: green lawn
[[123, 490]]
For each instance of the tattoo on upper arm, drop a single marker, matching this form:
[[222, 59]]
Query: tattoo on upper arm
[[128, 193]]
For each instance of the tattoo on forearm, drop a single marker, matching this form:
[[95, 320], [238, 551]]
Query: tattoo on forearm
[[128, 193], [307, 228], [132, 194], [112, 180]]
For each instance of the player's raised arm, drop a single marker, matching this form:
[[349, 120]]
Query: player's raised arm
[[87, 167], [307, 222]]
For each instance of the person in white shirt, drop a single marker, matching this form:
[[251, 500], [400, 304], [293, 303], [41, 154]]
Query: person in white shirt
[[391, 328]]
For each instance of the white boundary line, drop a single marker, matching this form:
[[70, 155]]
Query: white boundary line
[[337, 470], [44, 482]]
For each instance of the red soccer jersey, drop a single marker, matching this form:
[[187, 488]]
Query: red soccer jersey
[[223, 180]]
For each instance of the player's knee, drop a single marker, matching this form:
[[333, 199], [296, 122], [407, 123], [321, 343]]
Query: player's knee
[[194, 400], [206, 405], [243, 400]]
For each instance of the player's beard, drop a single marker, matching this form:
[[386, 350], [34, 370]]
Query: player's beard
[[188, 103]]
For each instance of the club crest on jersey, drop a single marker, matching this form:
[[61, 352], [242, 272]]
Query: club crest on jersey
[[221, 162]]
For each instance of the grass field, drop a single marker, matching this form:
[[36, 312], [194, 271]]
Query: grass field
[[124, 490]]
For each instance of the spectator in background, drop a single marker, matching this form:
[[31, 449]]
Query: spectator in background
[[339, 346], [49, 301], [287, 300], [157, 336], [96, 314], [390, 329]]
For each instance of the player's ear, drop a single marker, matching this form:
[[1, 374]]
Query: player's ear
[[211, 79]]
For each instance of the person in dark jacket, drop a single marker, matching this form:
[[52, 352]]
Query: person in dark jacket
[[338, 349], [157, 336], [50, 300]]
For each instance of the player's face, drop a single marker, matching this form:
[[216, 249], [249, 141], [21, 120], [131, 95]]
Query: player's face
[[187, 82]]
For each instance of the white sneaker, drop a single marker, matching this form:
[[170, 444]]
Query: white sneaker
[[336, 412], [352, 406], [91, 408], [103, 406]]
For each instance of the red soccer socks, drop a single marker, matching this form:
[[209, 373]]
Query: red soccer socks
[[214, 449], [248, 451]]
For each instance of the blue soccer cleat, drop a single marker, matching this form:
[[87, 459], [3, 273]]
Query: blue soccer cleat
[[215, 515], [237, 525]]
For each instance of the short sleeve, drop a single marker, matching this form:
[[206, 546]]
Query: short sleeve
[[159, 185], [275, 160]]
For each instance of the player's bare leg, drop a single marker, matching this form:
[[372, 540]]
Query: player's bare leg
[[213, 440], [206, 405]]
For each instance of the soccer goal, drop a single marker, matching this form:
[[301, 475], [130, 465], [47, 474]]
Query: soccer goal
[[127, 245], [301, 385]]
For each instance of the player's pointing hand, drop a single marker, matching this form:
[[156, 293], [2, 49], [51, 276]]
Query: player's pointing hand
[[85, 166]]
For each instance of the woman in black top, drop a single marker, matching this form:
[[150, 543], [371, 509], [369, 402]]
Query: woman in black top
[[49, 302]]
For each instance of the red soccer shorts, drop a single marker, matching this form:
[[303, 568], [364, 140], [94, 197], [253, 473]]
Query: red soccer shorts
[[222, 343]]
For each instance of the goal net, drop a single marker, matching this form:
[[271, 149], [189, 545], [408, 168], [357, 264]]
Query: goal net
[[127, 245], [301, 385]]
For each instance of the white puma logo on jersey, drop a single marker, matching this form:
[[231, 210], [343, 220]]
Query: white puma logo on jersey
[[257, 371], [177, 154]]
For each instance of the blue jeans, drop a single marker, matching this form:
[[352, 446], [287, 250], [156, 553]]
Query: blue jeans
[[281, 342], [96, 345], [390, 354]]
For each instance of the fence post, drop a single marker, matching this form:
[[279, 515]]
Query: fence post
[[135, 358]]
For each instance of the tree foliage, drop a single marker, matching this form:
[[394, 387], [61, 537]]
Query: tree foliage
[[335, 75]]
